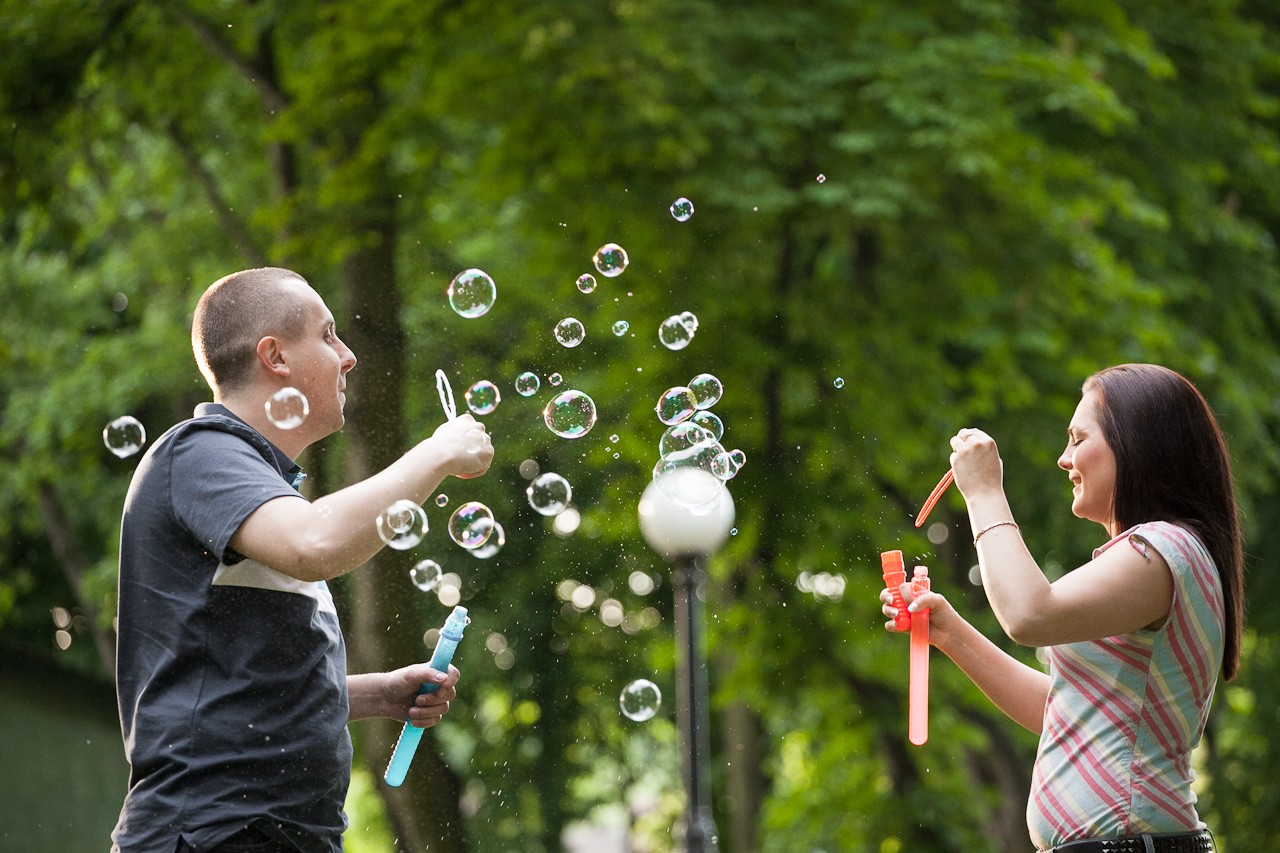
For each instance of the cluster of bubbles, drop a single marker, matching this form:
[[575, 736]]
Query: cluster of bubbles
[[640, 700], [678, 330], [693, 465], [472, 293], [124, 436], [287, 408]]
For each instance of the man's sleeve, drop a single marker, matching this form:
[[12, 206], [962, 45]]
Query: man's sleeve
[[218, 480]]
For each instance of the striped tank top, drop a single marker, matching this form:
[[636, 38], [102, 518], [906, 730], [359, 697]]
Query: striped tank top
[[1125, 712]]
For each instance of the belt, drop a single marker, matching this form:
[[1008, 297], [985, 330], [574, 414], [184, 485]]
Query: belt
[[1181, 842]]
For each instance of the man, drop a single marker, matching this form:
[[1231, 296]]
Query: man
[[231, 669]]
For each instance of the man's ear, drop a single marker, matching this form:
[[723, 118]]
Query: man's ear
[[271, 355]]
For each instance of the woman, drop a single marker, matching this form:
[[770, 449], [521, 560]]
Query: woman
[[1136, 637]]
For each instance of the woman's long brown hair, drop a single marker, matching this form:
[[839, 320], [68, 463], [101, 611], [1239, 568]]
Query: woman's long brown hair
[[1172, 465]]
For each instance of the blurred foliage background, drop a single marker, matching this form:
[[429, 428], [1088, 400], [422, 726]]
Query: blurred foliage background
[[910, 217]]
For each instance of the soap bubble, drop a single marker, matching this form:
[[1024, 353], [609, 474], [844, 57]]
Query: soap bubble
[[549, 493], [822, 179], [402, 525], [614, 438], [586, 282], [483, 397], [492, 545], [287, 408], [689, 320], [527, 384], [681, 209], [640, 700], [621, 327], [709, 421], [682, 436], [839, 382], [471, 525], [442, 499], [124, 436], [674, 334], [706, 390], [675, 405], [555, 379], [611, 259], [570, 414], [471, 293], [724, 466], [426, 575], [739, 458], [570, 332]]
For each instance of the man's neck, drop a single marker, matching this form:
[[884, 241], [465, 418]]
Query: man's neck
[[250, 407]]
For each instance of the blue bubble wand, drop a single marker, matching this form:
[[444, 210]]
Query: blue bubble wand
[[410, 735]]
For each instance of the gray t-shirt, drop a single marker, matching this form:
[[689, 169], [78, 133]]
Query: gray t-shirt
[[231, 675]]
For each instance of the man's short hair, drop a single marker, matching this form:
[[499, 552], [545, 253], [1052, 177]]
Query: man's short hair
[[235, 313]]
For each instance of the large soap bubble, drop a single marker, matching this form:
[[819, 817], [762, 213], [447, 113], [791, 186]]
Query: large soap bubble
[[426, 575], [611, 259], [124, 436], [483, 397], [471, 525], [640, 700], [570, 414], [570, 332], [674, 333], [472, 293], [527, 384], [287, 408], [549, 493], [676, 404], [706, 389], [402, 525]]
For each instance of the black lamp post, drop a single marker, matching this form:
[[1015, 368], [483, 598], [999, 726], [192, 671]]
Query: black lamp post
[[684, 536]]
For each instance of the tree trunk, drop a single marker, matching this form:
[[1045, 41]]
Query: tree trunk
[[424, 812]]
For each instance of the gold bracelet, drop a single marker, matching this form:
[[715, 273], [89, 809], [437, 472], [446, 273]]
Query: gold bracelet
[[978, 535]]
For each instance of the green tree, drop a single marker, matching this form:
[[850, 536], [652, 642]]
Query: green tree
[[960, 210]]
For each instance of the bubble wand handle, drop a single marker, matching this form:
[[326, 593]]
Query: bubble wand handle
[[918, 687], [895, 574], [410, 735], [446, 395]]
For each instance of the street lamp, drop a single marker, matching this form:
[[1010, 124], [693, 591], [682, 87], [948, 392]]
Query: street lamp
[[684, 526]]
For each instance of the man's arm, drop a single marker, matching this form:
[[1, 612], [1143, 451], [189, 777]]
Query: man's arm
[[338, 532]]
